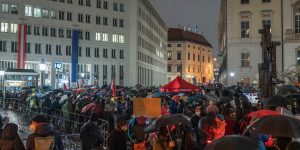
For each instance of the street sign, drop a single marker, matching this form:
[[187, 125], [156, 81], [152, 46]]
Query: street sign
[[58, 65]]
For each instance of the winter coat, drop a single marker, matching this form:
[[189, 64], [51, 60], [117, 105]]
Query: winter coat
[[98, 109], [47, 106], [173, 107], [117, 140], [44, 130], [219, 129], [91, 136], [195, 121], [207, 124], [120, 112], [11, 139], [55, 107], [162, 143], [180, 107], [229, 129], [70, 109]]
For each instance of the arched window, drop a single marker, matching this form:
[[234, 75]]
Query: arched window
[[297, 20]]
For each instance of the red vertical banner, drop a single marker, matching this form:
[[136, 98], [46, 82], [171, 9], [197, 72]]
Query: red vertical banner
[[21, 46]]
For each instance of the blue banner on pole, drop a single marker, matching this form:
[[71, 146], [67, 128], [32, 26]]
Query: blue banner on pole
[[75, 46]]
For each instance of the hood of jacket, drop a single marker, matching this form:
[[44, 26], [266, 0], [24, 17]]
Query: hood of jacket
[[10, 131], [43, 130]]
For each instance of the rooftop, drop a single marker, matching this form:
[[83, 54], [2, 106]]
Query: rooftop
[[177, 34]]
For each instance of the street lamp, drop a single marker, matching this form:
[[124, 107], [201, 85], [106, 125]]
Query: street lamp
[[42, 70], [82, 74], [232, 75]]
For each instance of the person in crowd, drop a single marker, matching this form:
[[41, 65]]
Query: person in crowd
[[173, 107], [108, 115], [55, 110], [196, 117], [163, 141], [118, 138], [69, 114], [91, 135], [47, 107], [10, 138], [293, 146], [43, 133], [230, 120], [180, 107]]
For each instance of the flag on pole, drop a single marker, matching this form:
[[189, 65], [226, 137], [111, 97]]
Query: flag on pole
[[65, 87], [113, 87], [21, 46], [82, 83], [69, 82], [77, 85]]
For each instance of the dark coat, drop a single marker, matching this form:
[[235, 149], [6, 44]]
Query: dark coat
[[195, 121], [10, 138], [55, 107], [117, 140], [44, 130], [91, 136], [109, 116], [173, 107]]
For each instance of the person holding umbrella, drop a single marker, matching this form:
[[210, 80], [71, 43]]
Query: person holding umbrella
[[163, 142], [118, 138]]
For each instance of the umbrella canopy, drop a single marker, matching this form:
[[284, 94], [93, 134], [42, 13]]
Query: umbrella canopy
[[131, 92], [158, 94], [277, 101], [207, 84], [120, 89], [102, 91], [179, 85], [232, 142], [56, 91], [83, 95], [211, 97], [261, 113], [194, 99], [176, 98], [288, 89], [209, 87], [277, 125], [80, 90], [167, 120], [88, 107], [284, 111], [152, 96]]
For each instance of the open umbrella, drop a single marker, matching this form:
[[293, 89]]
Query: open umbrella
[[131, 92], [158, 94], [120, 89], [232, 142], [277, 126], [264, 112], [152, 96], [211, 97], [176, 98], [207, 84], [102, 91], [83, 95], [56, 91], [167, 120], [277, 101], [80, 90], [209, 87], [284, 111], [193, 99], [88, 107]]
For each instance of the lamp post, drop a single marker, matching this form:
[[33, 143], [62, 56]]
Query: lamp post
[[42, 70], [232, 75]]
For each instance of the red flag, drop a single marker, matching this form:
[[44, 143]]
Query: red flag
[[82, 81], [77, 85], [69, 82], [113, 87], [65, 87]]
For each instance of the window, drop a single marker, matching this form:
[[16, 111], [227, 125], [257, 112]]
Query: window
[[178, 45], [189, 46], [48, 49], [14, 9], [178, 56], [28, 10], [37, 12], [105, 53], [61, 33], [169, 55], [169, 45], [68, 51], [88, 52], [113, 53], [198, 57], [61, 15], [53, 14], [38, 48], [115, 38], [98, 3], [244, 1], [97, 52], [80, 2], [193, 57], [104, 74], [121, 75], [98, 20], [58, 50], [245, 59], [80, 35], [62, 1], [98, 36], [245, 29], [208, 59], [70, 1], [4, 27], [13, 28], [297, 21], [202, 58], [88, 3], [45, 31], [169, 68], [266, 1], [189, 69], [105, 21], [179, 68], [45, 13], [121, 7], [298, 57], [105, 37], [4, 8], [121, 54], [53, 32], [189, 57], [14, 47], [88, 18], [28, 30], [69, 33], [87, 35], [79, 52], [69, 16], [36, 30], [113, 70], [28, 48], [2, 46], [121, 23], [121, 39], [80, 17], [105, 5], [115, 22], [194, 69], [266, 22], [115, 7]]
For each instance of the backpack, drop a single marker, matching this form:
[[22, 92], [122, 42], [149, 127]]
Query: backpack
[[44, 143]]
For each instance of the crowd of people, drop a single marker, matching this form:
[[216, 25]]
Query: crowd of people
[[211, 118]]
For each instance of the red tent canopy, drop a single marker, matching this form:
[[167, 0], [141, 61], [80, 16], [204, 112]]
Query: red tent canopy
[[179, 85]]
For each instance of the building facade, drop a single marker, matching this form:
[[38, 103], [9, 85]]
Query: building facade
[[239, 40], [112, 35], [190, 55]]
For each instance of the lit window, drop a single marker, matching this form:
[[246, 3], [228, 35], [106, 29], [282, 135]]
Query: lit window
[[115, 38], [4, 27], [105, 37], [45, 13], [53, 14], [28, 10], [14, 9], [37, 12], [98, 36], [13, 28], [245, 29], [4, 8], [121, 39]]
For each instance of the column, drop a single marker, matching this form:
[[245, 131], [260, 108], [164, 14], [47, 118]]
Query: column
[[52, 75]]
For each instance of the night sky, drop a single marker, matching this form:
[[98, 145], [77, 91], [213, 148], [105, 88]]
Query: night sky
[[201, 13]]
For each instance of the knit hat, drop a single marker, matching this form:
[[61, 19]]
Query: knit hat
[[212, 108], [121, 122], [39, 119]]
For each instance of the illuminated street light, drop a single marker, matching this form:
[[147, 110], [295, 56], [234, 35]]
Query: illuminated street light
[[232, 74], [82, 74]]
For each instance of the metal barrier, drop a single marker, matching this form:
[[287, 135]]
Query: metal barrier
[[69, 129]]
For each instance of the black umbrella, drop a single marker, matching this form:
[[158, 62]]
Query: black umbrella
[[131, 92], [83, 95], [56, 91], [167, 120], [277, 101], [200, 96], [277, 126], [232, 142]]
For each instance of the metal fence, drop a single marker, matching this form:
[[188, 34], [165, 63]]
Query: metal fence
[[69, 129]]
